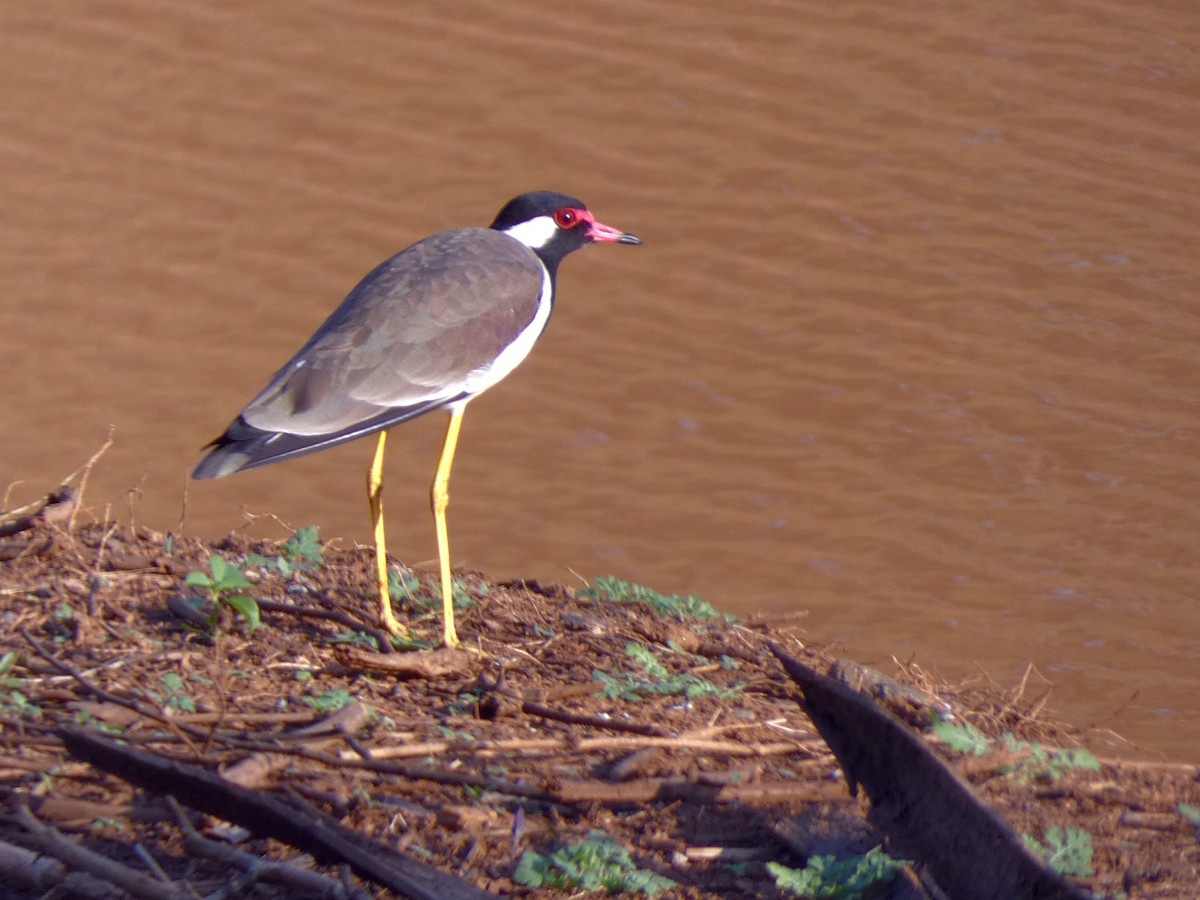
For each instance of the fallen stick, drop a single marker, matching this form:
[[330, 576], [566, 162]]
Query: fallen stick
[[562, 745], [267, 815], [255, 868], [24, 868], [929, 812], [54, 843]]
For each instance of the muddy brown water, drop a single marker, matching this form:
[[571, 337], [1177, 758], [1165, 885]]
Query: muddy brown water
[[911, 344]]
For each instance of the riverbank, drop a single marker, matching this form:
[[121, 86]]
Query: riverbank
[[588, 724]]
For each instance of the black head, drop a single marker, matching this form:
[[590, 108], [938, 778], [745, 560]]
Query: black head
[[553, 224]]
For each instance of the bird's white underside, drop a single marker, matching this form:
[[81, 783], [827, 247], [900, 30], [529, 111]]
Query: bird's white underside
[[533, 234], [482, 378]]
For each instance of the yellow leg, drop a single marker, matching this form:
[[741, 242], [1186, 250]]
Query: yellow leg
[[441, 499], [375, 498]]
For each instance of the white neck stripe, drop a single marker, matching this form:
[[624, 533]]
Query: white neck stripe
[[534, 233]]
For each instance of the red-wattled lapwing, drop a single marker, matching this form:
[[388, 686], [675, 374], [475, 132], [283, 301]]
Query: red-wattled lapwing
[[429, 329]]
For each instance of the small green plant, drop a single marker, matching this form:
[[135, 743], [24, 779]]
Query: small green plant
[[467, 703], [1048, 764], [330, 701], [175, 695], [596, 863], [403, 585], [1067, 851], [463, 593], [845, 879], [224, 584], [675, 605], [14, 702], [406, 586], [657, 679], [1192, 814], [104, 823], [17, 704], [964, 738], [1040, 763], [456, 734], [299, 553], [355, 639]]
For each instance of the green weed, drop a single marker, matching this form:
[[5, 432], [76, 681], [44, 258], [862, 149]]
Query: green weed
[[15, 703], [657, 679], [613, 589], [330, 701], [829, 877], [403, 585], [456, 734], [299, 553], [1192, 814], [1067, 851], [355, 639], [225, 583], [174, 694], [1041, 763], [467, 703], [596, 863], [964, 738], [1048, 764], [406, 586]]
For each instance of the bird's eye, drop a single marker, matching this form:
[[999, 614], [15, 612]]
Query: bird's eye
[[567, 217]]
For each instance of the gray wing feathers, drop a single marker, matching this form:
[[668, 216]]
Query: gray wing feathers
[[411, 333]]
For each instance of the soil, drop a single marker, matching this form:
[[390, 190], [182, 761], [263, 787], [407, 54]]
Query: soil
[[544, 731]]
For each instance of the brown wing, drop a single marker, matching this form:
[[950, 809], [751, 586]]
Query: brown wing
[[411, 333]]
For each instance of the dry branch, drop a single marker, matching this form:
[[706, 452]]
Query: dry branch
[[928, 810], [53, 843], [269, 816]]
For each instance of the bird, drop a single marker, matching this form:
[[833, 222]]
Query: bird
[[430, 328]]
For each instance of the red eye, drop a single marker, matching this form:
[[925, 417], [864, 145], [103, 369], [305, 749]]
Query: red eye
[[567, 217]]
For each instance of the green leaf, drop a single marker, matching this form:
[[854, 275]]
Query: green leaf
[[964, 738], [1077, 758], [176, 694], [829, 877], [246, 607], [199, 579], [675, 605], [330, 701], [234, 579], [531, 870], [171, 683], [304, 548], [1066, 851], [1047, 764], [1191, 813], [219, 568], [596, 863], [644, 657]]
